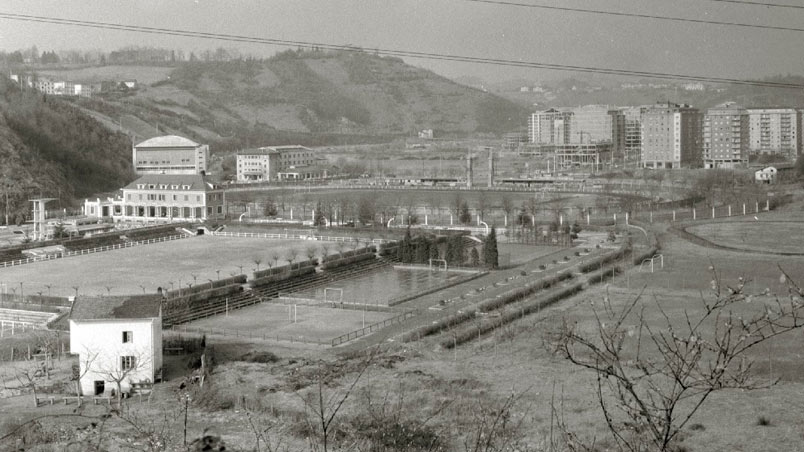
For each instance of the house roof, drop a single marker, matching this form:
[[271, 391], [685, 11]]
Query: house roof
[[196, 182], [168, 141], [273, 149], [100, 308]]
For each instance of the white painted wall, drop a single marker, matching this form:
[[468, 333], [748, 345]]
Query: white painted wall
[[99, 344]]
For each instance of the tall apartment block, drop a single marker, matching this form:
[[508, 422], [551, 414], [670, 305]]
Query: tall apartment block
[[632, 134], [725, 136], [549, 127], [775, 131], [671, 136]]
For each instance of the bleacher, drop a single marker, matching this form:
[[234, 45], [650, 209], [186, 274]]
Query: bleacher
[[157, 232], [36, 318]]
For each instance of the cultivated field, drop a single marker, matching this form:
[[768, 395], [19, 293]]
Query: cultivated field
[[299, 322], [145, 268], [773, 236]]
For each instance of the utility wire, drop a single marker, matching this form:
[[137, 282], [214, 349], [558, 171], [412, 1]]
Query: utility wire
[[770, 5], [394, 52], [636, 15]]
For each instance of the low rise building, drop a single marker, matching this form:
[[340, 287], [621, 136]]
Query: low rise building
[[162, 198], [266, 163], [118, 341]]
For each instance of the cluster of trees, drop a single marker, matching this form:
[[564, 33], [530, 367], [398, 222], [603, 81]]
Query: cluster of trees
[[421, 249]]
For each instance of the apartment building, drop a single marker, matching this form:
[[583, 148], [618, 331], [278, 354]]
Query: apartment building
[[775, 131], [270, 163], [725, 136], [549, 127], [671, 136]]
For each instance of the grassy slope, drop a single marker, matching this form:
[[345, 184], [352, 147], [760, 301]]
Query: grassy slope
[[293, 95]]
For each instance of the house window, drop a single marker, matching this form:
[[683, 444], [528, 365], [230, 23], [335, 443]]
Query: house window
[[128, 336], [127, 363]]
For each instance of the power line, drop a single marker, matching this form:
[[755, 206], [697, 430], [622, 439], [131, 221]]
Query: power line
[[770, 5], [637, 15], [394, 52]]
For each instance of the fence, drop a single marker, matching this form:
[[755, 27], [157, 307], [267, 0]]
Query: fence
[[248, 334], [326, 238], [49, 257], [11, 327], [371, 328]]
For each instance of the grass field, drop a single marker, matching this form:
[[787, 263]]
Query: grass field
[[787, 237], [274, 320], [144, 268]]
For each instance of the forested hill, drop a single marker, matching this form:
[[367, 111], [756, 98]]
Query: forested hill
[[50, 148]]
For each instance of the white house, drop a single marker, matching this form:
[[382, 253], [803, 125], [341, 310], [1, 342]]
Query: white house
[[118, 341], [766, 175]]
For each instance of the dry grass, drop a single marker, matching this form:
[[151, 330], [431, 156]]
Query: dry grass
[[787, 237], [151, 266]]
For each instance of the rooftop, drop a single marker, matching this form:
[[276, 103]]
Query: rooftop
[[273, 150], [99, 308], [196, 182], [168, 141]]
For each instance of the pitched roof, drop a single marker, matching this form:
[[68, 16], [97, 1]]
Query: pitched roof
[[99, 308], [168, 141], [196, 182]]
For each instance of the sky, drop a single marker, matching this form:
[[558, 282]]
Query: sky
[[461, 27]]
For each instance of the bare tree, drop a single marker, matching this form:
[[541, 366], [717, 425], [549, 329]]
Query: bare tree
[[121, 367], [291, 256], [323, 410], [507, 206], [324, 250], [660, 376], [275, 257], [257, 262], [311, 252]]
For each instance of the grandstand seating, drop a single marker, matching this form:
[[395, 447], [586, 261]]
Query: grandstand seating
[[27, 317]]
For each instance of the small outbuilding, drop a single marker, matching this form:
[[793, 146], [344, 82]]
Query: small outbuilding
[[118, 341], [766, 175]]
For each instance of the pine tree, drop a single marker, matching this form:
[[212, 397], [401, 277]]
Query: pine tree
[[422, 250], [407, 248], [434, 254], [465, 216], [474, 256], [319, 219], [490, 254]]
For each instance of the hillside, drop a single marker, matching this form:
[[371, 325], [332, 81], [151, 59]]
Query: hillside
[[49, 148], [310, 97]]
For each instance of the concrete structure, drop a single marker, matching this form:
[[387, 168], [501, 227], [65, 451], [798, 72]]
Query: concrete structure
[[775, 131], [671, 136], [725, 136], [118, 341], [266, 163], [162, 198], [170, 154], [596, 124], [632, 135], [766, 175], [549, 127]]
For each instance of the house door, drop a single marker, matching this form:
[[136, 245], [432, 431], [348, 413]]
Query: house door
[[100, 387]]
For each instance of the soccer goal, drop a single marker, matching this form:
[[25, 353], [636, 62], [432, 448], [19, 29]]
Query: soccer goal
[[337, 295], [438, 263], [651, 263]]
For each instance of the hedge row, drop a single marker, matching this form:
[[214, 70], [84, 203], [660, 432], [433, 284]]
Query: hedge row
[[389, 248], [520, 293], [270, 279], [185, 303], [442, 324], [603, 260], [237, 279], [329, 265], [470, 333], [284, 268], [347, 254]]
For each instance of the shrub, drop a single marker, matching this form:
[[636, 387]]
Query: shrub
[[264, 357], [542, 267], [763, 421], [523, 273]]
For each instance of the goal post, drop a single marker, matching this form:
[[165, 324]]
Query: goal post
[[336, 291], [438, 263]]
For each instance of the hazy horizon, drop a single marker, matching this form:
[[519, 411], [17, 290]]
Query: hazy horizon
[[447, 26]]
